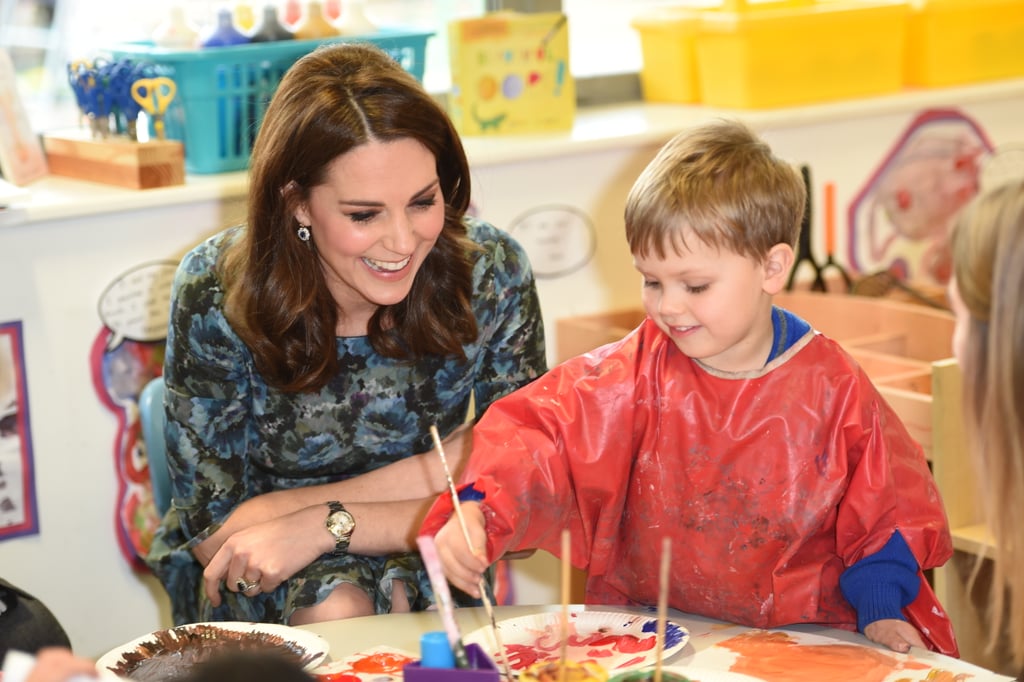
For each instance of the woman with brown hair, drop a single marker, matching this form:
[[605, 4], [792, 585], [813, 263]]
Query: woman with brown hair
[[311, 350], [988, 341]]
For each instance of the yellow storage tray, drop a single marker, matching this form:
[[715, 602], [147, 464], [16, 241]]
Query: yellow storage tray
[[668, 47], [758, 55], [952, 42]]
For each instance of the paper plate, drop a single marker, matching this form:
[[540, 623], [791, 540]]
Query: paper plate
[[710, 674], [308, 647], [617, 641]]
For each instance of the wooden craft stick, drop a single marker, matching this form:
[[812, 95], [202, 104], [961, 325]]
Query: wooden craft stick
[[566, 579], [666, 561]]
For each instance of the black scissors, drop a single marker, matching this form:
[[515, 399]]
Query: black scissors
[[803, 249]]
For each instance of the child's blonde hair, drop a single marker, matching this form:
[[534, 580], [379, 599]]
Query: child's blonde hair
[[988, 264], [723, 185]]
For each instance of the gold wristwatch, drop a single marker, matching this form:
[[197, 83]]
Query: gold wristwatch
[[341, 525]]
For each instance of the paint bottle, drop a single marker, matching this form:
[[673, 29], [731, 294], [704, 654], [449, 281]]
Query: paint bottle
[[270, 28], [313, 24], [435, 651], [353, 21], [224, 33], [244, 17], [175, 30], [292, 14]]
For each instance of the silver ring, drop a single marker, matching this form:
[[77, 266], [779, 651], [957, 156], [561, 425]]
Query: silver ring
[[244, 585]]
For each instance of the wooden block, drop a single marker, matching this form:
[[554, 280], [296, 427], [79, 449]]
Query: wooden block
[[914, 409], [577, 335], [116, 161]]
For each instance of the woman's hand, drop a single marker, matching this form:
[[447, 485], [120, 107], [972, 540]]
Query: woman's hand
[[464, 566], [414, 478], [267, 554], [250, 513], [898, 635], [273, 551]]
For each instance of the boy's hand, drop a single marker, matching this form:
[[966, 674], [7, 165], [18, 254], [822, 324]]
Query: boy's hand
[[898, 635], [462, 567]]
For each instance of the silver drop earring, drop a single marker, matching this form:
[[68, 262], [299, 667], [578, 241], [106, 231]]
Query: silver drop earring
[[303, 233]]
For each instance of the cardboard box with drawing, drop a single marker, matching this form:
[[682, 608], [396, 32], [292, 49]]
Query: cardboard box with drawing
[[510, 74]]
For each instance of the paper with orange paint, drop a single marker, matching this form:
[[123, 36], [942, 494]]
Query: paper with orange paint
[[785, 656]]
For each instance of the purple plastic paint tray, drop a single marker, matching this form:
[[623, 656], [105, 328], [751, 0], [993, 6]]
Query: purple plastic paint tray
[[482, 670]]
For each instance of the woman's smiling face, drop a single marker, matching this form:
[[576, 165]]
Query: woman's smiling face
[[374, 221]]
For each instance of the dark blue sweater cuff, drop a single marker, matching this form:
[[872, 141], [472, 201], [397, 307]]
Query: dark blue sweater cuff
[[470, 494], [877, 602], [881, 584]]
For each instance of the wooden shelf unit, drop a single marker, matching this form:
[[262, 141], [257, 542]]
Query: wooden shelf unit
[[904, 348]]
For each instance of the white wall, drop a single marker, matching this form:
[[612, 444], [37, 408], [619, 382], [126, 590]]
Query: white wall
[[53, 271], [51, 279]]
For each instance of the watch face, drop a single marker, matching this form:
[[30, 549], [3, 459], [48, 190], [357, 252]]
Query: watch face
[[341, 524]]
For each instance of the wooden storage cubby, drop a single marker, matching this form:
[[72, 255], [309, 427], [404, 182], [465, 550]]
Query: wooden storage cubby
[[905, 348]]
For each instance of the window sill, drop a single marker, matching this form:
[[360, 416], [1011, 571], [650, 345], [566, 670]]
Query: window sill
[[597, 128]]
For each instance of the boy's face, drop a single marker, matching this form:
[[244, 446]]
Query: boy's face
[[715, 304]]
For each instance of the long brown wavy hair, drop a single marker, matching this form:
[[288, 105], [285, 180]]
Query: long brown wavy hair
[[988, 265], [332, 100]]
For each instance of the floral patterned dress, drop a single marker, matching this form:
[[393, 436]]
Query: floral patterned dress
[[231, 437]]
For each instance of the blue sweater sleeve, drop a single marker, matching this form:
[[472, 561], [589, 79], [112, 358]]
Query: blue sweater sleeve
[[881, 584]]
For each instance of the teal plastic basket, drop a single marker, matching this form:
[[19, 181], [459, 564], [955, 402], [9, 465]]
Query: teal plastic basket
[[223, 92]]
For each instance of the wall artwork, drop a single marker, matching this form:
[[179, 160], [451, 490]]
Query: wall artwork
[[559, 239], [126, 354], [18, 513], [899, 219], [21, 154], [510, 74]]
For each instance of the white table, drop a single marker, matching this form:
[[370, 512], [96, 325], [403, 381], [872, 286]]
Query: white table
[[403, 630]]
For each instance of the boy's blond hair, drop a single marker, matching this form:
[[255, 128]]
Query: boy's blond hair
[[723, 185]]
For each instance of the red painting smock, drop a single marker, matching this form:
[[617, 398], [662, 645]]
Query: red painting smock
[[769, 483]]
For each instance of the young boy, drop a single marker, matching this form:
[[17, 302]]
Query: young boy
[[790, 489]]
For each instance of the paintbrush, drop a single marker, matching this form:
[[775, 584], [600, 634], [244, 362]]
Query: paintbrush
[[484, 597], [444, 598], [666, 559]]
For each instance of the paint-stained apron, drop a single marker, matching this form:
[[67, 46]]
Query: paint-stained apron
[[769, 483]]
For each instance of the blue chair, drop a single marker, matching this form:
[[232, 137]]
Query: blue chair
[[153, 418]]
